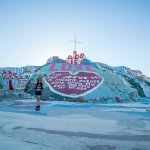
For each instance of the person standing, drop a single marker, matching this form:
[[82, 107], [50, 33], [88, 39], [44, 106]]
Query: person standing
[[38, 92]]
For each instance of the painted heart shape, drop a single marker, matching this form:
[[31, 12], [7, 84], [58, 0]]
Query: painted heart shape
[[73, 85]]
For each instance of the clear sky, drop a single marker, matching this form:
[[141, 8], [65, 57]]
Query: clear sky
[[115, 32]]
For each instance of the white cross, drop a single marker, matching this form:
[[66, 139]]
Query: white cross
[[75, 42]]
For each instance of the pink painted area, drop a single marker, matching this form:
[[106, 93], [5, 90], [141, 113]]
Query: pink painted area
[[52, 67], [76, 58], [66, 67], [78, 67], [69, 66], [88, 68], [76, 61], [82, 55], [73, 85]]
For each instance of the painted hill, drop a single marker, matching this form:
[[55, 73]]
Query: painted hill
[[90, 81], [87, 81]]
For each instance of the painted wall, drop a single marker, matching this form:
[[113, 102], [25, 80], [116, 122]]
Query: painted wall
[[15, 78]]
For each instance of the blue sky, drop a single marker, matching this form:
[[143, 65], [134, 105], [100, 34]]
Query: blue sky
[[115, 32]]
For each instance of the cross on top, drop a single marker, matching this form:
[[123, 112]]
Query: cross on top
[[75, 42]]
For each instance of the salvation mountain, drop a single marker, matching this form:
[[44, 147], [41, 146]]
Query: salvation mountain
[[89, 81]]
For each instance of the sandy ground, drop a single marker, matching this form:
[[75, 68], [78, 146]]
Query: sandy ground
[[74, 126]]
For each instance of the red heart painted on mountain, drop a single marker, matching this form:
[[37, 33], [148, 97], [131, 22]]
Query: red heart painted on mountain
[[73, 85]]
